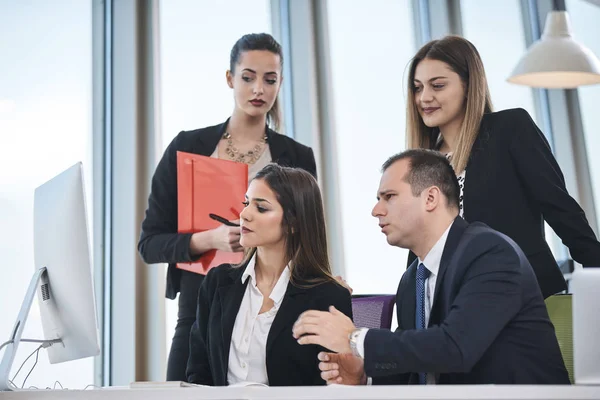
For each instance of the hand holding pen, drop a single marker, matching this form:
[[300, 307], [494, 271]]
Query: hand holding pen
[[222, 220], [227, 236]]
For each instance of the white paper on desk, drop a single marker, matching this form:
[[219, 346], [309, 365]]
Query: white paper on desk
[[163, 385], [177, 384], [338, 385], [246, 384]]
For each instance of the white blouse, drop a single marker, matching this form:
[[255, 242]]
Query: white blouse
[[461, 185], [247, 351]]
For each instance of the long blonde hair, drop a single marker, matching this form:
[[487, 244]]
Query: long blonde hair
[[463, 58]]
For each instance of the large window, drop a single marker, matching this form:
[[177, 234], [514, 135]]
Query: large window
[[369, 70], [584, 20], [196, 39], [45, 127], [500, 51]]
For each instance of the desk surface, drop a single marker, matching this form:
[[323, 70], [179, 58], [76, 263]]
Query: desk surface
[[484, 392]]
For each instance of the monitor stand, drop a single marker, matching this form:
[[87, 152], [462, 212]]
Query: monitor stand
[[14, 340]]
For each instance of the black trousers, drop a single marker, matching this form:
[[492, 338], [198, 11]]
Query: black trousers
[[186, 316]]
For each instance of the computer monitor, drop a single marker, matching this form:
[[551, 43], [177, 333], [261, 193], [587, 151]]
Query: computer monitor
[[62, 276], [585, 284]]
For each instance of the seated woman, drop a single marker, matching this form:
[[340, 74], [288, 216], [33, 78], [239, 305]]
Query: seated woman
[[246, 335]]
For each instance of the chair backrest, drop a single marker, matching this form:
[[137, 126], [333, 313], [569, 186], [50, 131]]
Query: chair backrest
[[374, 312], [560, 311]]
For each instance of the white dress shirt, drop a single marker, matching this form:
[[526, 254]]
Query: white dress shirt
[[247, 351], [432, 263]]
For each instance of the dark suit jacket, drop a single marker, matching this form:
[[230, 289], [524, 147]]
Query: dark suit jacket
[[288, 363], [488, 323], [159, 241], [513, 183]]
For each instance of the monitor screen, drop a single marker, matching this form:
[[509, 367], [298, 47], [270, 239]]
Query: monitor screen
[[61, 245]]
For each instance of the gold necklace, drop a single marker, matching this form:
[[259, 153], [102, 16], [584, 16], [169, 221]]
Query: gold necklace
[[249, 157]]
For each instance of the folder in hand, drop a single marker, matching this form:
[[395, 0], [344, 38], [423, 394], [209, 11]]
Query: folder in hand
[[208, 185]]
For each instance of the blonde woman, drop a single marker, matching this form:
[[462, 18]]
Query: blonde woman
[[508, 177]]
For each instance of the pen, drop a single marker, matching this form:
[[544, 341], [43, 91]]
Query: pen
[[222, 220]]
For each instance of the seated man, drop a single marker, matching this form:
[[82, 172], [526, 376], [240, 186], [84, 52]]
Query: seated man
[[469, 308]]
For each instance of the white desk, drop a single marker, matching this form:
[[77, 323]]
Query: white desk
[[325, 393]]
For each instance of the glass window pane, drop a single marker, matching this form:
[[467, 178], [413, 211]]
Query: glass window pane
[[584, 22], [196, 37], [477, 18], [369, 69], [45, 127]]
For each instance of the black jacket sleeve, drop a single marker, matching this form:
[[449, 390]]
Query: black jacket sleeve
[[339, 297], [332, 294], [311, 165], [159, 241], [544, 181]]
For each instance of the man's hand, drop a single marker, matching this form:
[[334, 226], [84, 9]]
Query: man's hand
[[344, 369], [328, 329]]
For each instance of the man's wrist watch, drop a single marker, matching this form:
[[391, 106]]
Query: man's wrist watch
[[353, 337]]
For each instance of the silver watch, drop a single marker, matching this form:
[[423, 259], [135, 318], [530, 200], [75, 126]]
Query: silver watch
[[354, 342]]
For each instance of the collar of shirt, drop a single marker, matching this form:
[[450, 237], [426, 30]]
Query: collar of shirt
[[434, 257], [280, 287]]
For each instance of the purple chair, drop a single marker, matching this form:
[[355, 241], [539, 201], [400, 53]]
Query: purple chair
[[373, 311]]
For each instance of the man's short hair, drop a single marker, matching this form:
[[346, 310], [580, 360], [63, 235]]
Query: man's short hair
[[429, 168]]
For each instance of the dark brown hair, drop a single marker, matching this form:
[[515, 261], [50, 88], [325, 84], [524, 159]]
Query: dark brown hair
[[303, 224], [259, 41], [429, 168]]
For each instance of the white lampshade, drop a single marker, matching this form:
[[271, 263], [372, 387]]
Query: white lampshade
[[557, 61]]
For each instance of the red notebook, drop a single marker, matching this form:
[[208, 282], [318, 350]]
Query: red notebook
[[209, 185]]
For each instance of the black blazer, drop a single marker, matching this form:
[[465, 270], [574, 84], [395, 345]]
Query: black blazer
[[488, 323], [159, 241], [513, 183], [288, 363]]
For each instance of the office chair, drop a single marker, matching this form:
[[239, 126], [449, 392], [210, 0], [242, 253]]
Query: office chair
[[373, 311], [560, 311]]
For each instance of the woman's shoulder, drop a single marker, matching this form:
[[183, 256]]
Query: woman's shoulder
[[288, 141], [187, 140], [503, 126], [222, 274], [331, 289], [331, 294], [509, 116], [296, 154]]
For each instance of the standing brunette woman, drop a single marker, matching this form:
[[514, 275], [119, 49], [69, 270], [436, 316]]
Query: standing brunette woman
[[255, 75]]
